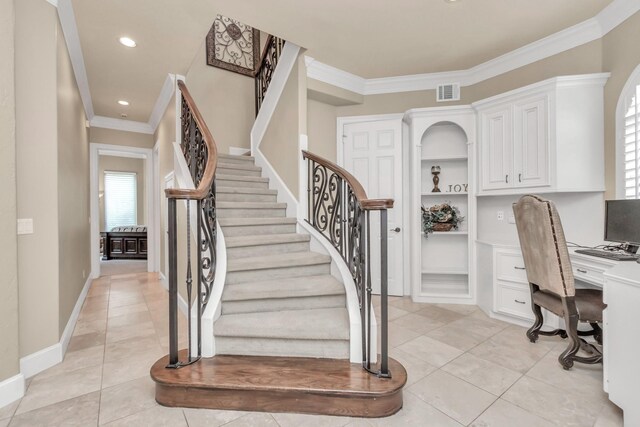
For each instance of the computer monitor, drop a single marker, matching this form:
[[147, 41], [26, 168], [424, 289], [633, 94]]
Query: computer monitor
[[622, 223]]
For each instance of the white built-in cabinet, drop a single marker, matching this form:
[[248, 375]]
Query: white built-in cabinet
[[546, 137], [442, 262]]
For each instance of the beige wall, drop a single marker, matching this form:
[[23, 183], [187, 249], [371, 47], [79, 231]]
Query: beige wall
[[119, 137], [73, 187], [52, 162], [123, 164], [280, 141], [225, 99], [621, 55], [9, 356], [321, 129], [37, 172]]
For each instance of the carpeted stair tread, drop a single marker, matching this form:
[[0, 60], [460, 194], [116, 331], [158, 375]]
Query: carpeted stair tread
[[317, 324], [246, 190], [268, 239], [296, 259], [240, 222], [295, 287]]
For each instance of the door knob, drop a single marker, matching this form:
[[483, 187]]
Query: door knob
[[397, 229]]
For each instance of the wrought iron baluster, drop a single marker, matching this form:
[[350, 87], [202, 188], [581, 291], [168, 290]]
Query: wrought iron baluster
[[266, 68], [197, 145], [339, 210]]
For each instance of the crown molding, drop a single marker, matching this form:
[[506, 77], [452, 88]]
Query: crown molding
[[163, 101], [119, 124], [591, 29], [72, 39], [334, 76], [616, 13]]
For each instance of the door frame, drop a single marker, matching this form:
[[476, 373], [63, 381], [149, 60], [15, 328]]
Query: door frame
[[341, 122], [95, 151]]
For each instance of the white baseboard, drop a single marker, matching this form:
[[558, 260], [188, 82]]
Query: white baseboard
[[11, 389], [47, 357], [73, 319], [40, 360]]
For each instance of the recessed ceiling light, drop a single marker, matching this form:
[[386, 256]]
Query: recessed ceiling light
[[128, 42], [123, 102]]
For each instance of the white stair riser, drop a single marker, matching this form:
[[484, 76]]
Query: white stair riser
[[276, 273], [258, 230], [333, 349], [251, 213], [240, 172], [279, 304], [243, 184], [270, 249], [240, 197]]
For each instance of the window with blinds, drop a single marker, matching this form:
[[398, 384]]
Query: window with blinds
[[632, 148], [120, 199]]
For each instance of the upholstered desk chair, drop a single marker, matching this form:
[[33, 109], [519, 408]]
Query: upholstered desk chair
[[550, 277]]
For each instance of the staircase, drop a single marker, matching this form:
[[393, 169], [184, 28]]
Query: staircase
[[279, 298]]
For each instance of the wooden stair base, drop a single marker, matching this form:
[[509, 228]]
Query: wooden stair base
[[280, 384]]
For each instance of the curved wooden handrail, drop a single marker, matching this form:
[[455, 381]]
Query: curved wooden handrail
[[356, 187], [212, 154]]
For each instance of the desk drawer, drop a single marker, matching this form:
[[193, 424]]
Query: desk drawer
[[510, 266], [588, 273], [514, 300]]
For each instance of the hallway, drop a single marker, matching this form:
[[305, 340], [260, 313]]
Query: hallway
[[464, 369]]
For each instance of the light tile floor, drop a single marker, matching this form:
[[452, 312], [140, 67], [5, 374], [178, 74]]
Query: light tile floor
[[463, 368]]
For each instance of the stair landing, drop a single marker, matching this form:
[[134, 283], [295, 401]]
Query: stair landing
[[280, 384]]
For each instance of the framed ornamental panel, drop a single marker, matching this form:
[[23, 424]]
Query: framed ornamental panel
[[233, 46]]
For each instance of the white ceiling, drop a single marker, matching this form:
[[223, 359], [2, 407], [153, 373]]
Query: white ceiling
[[370, 38]]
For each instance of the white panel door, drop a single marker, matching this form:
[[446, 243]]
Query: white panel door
[[497, 153], [373, 154], [531, 148]]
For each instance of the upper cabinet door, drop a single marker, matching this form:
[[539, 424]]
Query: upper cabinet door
[[531, 142], [497, 149]]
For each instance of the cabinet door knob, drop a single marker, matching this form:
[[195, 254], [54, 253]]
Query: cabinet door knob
[[519, 177], [519, 302], [397, 229], [506, 179], [519, 268], [582, 271]]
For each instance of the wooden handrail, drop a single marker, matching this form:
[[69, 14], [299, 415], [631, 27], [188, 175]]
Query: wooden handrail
[[212, 154], [264, 54], [358, 191]]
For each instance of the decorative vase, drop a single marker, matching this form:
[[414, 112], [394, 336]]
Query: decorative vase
[[435, 170]]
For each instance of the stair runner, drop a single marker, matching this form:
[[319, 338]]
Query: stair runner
[[279, 298]]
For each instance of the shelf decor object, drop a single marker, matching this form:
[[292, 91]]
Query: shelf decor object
[[233, 46], [443, 217], [435, 170]]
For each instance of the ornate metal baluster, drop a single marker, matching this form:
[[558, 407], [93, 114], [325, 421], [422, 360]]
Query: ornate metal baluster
[[266, 68], [336, 208], [196, 152]]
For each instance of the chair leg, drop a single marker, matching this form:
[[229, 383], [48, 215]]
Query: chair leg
[[567, 357], [597, 332], [534, 331]]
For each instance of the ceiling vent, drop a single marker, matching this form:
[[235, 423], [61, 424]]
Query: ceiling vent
[[449, 92]]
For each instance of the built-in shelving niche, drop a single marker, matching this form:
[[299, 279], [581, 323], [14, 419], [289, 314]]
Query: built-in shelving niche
[[445, 255]]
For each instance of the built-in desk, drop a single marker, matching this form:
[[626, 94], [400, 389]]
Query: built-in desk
[[503, 293]]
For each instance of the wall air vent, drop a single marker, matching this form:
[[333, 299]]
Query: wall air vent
[[448, 92]]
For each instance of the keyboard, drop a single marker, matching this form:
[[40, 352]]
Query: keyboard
[[614, 256]]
